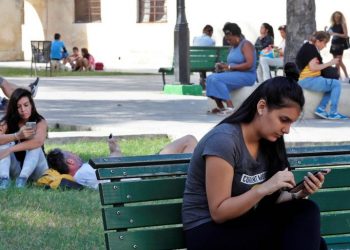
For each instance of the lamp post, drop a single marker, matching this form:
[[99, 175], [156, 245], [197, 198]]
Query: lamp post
[[181, 46]]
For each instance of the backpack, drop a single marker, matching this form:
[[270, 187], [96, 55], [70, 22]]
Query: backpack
[[52, 179], [99, 66]]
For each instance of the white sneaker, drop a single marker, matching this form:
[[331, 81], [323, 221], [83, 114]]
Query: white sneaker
[[346, 80]]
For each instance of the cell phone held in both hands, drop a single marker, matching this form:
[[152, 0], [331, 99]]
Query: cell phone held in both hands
[[31, 125], [300, 185]]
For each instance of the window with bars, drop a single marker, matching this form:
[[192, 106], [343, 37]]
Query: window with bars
[[152, 11], [87, 11]]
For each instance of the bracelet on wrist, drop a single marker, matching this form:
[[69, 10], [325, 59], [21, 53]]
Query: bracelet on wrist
[[16, 136]]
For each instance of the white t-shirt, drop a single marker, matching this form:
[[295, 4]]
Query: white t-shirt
[[203, 40], [282, 45], [86, 176]]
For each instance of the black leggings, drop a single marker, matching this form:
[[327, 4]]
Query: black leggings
[[292, 225]]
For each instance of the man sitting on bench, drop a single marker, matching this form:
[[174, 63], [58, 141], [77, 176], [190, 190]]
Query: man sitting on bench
[[69, 163]]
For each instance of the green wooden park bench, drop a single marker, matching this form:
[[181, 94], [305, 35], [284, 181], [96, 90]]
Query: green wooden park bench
[[141, 206], [202, 60]]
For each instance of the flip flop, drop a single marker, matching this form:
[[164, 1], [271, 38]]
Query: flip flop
[[227, 111], [214, 111]]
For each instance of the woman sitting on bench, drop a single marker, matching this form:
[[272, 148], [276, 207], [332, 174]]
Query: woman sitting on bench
[[235, 195], [239, 71]]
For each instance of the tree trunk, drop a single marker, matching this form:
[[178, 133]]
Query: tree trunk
[[301, 23]]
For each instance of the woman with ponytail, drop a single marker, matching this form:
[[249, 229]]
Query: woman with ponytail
[[235, 195]]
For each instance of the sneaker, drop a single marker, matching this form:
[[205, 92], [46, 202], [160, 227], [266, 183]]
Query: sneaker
[[227, 111], [21, 182], [346, 80], [4, 183], [321, 113], [337, 116], [34, 87]]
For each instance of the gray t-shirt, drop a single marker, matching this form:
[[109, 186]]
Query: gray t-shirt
[[224, 141]]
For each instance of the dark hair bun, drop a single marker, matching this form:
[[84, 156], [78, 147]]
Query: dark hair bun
[[291, 71]]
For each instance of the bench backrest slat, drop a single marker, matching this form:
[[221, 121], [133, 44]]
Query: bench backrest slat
[[145, 190], [335, 223], [324, 160], [142, 171], [334, 179], [138, 216], [298, 157], [333, 199], [318, 150], [139, 160]]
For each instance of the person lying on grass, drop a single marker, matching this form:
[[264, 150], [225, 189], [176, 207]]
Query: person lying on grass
[[65, 162]]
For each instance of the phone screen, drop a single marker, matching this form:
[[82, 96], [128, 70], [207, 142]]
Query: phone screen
[[31, 125], [300, 185]]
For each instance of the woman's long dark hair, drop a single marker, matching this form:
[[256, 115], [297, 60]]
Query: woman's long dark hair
[[278, 92], [12, 117], [269, 29]]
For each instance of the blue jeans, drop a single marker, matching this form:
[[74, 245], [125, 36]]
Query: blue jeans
[[330, 87], [34, 164]]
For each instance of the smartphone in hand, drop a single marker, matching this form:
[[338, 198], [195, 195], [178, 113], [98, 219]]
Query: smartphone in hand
[[299, 186], [31, 125]]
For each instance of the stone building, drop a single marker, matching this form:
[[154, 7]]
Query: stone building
[[134, 34]]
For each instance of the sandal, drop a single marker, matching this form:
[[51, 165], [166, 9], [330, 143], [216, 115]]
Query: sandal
[[227, 111], [214, 111]]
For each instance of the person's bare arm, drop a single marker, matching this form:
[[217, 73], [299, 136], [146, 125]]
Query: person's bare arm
[[314, 64], [218, 179], [248, 53], [37, 140]]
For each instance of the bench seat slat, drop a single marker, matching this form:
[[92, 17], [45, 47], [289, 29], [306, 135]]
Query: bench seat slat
[[146, 190], [142, 216], [155, 239], [173, 238]]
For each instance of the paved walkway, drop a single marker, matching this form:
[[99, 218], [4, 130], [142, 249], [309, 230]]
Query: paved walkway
[[135, 105]]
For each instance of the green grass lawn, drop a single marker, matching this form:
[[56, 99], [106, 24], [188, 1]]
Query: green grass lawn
[[33, 218], [26, 72]]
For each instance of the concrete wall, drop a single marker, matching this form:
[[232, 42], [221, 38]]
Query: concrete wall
[[11, 13], [123, 44]]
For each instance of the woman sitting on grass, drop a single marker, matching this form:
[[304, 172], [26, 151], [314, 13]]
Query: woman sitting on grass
[[86, 62], [21, 144]]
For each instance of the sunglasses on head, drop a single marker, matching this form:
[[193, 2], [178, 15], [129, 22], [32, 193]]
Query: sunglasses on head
[[227, 32]]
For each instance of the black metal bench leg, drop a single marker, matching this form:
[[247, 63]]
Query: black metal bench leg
[[202, 78], [163, 77]]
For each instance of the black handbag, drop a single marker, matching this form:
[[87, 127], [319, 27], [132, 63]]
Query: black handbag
[[330, 73]]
